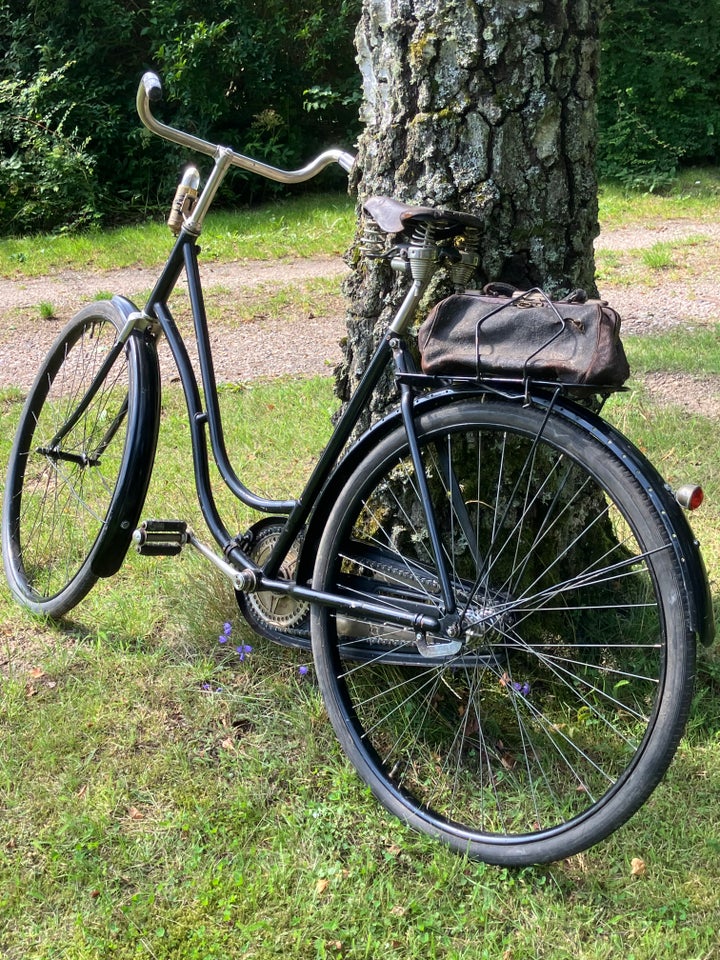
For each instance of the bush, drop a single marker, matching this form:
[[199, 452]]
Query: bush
[[237, 72], [278, 80], [659, 103], [47, 174]]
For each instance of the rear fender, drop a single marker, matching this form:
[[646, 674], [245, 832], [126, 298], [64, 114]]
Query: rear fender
[[687, 548], [339, 477]]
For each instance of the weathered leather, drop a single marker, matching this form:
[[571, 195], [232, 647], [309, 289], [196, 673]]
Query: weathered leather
[[525, 336]]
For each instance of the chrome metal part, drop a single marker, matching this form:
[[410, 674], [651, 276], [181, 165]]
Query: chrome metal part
[[464, 270], [150, 88], [689, 496], [243, 580], [373, 241], [432, 649], [184, 199], [400, 263], [168, 537], [160, 538], [404, 316], [423, 262], [275, 611], [143, 322]]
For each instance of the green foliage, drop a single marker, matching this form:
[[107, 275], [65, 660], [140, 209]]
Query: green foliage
[[660, 77], [46, 169], [278, 80], [294, 226], [164, 799], [234, 71]]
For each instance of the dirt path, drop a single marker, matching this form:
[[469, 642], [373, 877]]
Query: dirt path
[[261, 349], [266, 347], [67, 289]]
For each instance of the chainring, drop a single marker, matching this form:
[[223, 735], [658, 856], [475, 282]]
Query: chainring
[[277, 617]]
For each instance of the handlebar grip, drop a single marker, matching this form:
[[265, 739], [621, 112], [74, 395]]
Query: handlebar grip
[[346, 160], [152, 85]]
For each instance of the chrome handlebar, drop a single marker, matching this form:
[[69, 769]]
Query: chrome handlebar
[[150, 91]]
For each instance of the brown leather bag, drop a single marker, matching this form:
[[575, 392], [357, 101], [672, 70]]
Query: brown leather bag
[[524, 336]]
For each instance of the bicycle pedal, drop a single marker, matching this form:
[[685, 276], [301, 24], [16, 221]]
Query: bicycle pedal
[[160, 538]]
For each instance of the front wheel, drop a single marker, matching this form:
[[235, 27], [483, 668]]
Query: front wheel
[[552, 699], [77, 473]]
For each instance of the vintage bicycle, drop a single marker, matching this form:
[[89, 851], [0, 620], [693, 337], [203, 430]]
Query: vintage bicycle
[[502, 596]]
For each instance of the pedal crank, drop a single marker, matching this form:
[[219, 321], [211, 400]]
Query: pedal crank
[[166, 538]]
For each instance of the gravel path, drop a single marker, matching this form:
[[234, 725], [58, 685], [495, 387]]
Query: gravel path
[[263, 347], [260, 350]]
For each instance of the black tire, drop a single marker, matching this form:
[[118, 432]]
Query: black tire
[[564, 705], [61, 510]]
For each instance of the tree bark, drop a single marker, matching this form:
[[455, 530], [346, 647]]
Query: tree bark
[[486, 106]]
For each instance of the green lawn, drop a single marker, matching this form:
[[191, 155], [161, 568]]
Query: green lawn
[[304, 226], [163, 799]]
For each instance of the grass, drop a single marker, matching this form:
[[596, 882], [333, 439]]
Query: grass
[[162, 800], [677, 351], [314, 297], [695, 195], [647, 266], [307, 226]]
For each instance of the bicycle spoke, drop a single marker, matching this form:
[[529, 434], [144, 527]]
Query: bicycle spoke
[[530, 722], [66, 467]]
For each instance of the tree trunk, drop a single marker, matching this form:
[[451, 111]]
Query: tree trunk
[[486, 106]]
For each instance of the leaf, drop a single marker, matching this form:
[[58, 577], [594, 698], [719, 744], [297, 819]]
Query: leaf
[[322, 885], [637, 867]]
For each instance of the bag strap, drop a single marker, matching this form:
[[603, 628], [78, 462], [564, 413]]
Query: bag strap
[[497, 288]]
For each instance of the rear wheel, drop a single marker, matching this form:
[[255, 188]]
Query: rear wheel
[[551, 701], [66, 479]]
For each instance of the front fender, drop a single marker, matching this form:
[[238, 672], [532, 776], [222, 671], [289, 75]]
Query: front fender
[[141, 443]]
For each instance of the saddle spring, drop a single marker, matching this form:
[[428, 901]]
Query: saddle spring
[[373, 243]]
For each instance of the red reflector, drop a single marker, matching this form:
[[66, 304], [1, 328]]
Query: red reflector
[[689, 496]]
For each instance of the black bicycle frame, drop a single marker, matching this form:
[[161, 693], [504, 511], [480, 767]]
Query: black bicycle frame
[[185, 256]]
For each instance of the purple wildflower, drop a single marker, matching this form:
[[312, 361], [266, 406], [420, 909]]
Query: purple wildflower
[[302, 670]]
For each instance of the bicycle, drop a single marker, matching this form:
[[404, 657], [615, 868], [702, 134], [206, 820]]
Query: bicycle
[[501, 594]]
